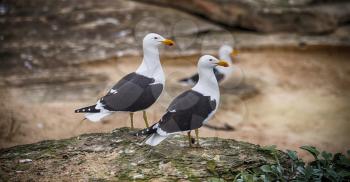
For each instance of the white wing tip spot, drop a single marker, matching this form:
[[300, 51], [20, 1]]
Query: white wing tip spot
[[113, 91]]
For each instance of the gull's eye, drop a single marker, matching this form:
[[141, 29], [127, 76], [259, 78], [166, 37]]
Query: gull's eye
[[210, 59], [155, 37]]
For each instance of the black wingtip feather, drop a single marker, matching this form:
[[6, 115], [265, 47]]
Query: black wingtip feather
[[146, 131], [89, 109], [184, 80]]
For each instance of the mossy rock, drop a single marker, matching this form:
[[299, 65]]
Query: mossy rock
[[120, 156]]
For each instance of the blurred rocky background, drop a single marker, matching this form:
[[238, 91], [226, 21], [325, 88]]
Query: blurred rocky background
[[294, 64], [50, 34], [299, 16]]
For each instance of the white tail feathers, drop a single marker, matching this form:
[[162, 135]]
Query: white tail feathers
[[155, 139], [96, 117]]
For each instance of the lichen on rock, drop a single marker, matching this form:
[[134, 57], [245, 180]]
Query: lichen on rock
[[122, 156]]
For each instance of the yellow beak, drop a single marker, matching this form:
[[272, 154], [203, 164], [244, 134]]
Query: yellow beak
[[168, 42], [234, 53], [222, 63]]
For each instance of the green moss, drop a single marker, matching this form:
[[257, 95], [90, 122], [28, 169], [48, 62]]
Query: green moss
[[191, 164], [97, 180], [214, 179], [211, 167], [124, 175], [47, 149], [22, 167], [3, 176], [81, 162]]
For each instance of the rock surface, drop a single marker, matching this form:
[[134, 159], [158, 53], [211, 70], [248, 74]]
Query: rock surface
[[43, 34], [40, 34], [303, 16], [120, 156]]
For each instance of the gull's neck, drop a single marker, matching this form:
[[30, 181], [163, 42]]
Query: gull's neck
[[207, 83], [150, 66], [225, 70]]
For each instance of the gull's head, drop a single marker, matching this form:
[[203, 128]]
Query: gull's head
[[153, 39], [227, 50], [208, 61]]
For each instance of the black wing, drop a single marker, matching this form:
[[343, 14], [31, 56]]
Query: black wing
[[132, 93], [194, 78], [219, 76], [187, 112]]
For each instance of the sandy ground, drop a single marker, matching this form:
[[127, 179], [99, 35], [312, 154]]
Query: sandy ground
[[303, 100]]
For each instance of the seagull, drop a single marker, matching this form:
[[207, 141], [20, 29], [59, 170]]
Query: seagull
[[191, 109], [136, 91], [226, 52]]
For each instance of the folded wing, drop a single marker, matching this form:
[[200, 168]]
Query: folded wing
[[133, 93], [187, 112]]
